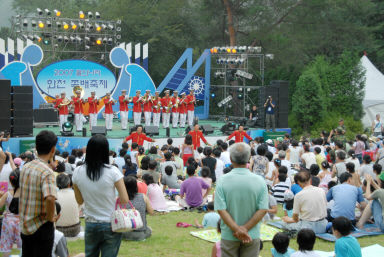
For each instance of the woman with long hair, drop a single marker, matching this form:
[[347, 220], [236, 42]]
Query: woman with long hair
[[187, 149], [94, 184]]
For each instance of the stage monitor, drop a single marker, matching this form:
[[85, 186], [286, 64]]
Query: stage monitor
[[207, 129], [99, 130], [151, 130]]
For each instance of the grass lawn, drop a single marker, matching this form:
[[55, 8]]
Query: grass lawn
[[168, 240]]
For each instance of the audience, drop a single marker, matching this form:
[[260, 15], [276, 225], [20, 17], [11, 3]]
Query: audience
[[346, 245], [306, 239]]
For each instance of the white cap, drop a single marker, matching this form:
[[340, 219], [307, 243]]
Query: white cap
[[124, 90], [182, 93], [78, 91], [138, 90], [166, 91], [148, 90]]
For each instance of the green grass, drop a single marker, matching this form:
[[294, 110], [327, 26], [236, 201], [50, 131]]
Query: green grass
[[168, 240]]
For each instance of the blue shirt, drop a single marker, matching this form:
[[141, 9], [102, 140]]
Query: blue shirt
[[289, 212], [295, 188], [345, 197], [269, 109], [286, 254], [210, 220], [347, 246], [241, 193]]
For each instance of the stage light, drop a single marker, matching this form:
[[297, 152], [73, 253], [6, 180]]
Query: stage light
[[269, 56], [73, 25], [90, 15], [39, 11], [65, 25], [81, 15], [33, 23], [73, 39], [110, 41], [105, 40], [47, 12], [98, 28], [118, 29], [25, 23], [87, 47], [57, 13], [234, 51], [211, 50], [103, 26], [49, 24], [60, 39], [213, 95], [111, 27], [215, 50], [67, 127], [79, 40], [58, 24], [87, 39], [81, 25], [41, 24], [118, 36], [30, 37], [90, 26], [97, 14], [66, 39], [39, 39], [99, 41], [229, 50], [46, 41]]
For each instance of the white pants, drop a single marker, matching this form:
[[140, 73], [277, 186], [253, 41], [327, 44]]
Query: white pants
[[63, 119], [124, 119], [166, 117], [79, 121], [108, 120], [183, 117], [137, 118], [147, 116], [92, 120], [190, 117], [175, 119], [156, 119]]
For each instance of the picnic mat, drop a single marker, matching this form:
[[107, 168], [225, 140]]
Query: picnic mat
[[172, 206], [211, 235], [368, 230], [369, 251]]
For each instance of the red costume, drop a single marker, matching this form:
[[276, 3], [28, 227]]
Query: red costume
[[191, 102], [182, 106], [123, 103], [156, 107], [108, 106], [165, 102], [174, 102], [78, 102], [196, 136], [136, 104], [138, 138], [148, 105], [92, 105], [63, 110], [239, 136]]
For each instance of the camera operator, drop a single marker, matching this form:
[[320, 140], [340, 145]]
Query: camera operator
[[270, 113]]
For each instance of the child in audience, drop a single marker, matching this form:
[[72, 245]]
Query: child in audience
[[134, 153], [140, 155], [288, 203], [325, 175], [169, 178], [306, 239], [346, 245], [279, 189], [210, 219], [320, 157], [216, 249], [180, 162], [355, 177], [219, 163], [280, 243], [155, 193]]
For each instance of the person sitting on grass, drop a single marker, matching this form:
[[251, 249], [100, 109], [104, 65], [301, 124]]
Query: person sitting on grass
[[152, 165], [280, 243], [377, 196], [216, 249], [191, 190], [279, 189], [355, 177], [288, 203], [155, 193], [346, 245], [129, 168], [210, 219], [168, 178], [306, 239]]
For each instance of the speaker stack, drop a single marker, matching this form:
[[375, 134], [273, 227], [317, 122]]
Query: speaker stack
[[5, 105], [22, 111]]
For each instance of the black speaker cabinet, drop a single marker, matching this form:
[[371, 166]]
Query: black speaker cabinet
[[151, 130], [99, 130]]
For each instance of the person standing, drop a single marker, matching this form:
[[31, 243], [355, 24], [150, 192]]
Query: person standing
[[253, 115], [156, 103], [62, 105], [196, 136], [108, 102], [270, 113], [78, 103], [123, 101], [147, 107], [175, 109], [377, 126], [167, 106], [137, 100], [239, 135], [93, 103], [191, 101], [183, 110], [138, 137], [37, 199], [241, 199]]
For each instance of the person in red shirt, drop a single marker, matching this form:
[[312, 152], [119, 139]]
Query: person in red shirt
[[183, 110], [62, 105], [137, 101], [156, 103], [167, 108], [138, 137], [93, 102], [147, 107], [239, 135], [197, 134], [191, 101], [123, 101], [108, 102], [78, 102], [175, 109]]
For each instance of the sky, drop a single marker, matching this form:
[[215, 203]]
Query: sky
[[5, 12]]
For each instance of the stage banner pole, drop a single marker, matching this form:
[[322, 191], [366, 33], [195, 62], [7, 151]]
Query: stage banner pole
[[2, 53], [145, 56], [137, 53]]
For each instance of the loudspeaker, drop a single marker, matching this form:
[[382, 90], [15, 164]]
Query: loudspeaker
[[151, 130], [168, 132], [228, 128], [5, 107], [207, 129], [22, 98], [99, 130], [5, 124], [132, 129], [188, 128], [5, 89], [22, 126], [22, 89], [45, 115]]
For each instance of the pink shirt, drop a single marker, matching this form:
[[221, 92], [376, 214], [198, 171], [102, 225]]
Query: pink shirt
[[156, 197]]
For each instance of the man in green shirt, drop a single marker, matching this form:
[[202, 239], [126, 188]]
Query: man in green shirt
[[241, 198]]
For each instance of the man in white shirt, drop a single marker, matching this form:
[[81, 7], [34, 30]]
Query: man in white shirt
[[224, 156], [219, 163]]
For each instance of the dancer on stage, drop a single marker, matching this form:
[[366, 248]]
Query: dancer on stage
[[108, 102], [167, 108], [123, 101], [175, 109], [137, 101], [191, 101], [197, 134], [93, 103], [78, 103], [156, 103], [239, 135], [147, 107], [183, 110], [138, 137], [62, 105]]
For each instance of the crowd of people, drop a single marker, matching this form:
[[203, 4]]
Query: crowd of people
[[324, 184]]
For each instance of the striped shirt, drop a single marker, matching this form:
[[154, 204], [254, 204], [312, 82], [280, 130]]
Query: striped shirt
[[37, 182], [278, 191]]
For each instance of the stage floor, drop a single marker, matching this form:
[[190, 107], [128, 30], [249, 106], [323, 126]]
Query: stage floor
[[117, 132]]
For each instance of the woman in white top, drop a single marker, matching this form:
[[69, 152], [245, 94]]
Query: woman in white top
[[293, 153], [308, 158], [94, 184]]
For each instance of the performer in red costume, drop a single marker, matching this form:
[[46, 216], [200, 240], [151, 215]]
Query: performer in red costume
[[156, 104], [167, 108], [239, 135], [175, 109], [191, 101], [123, 101], [78, 102], [62, 105], [138, 137], [137, 101], [108, 102], [147, 107], [196, 136], [93, 102], [183, 110]]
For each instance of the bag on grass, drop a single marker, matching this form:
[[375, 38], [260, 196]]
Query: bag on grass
[[124, 220]]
